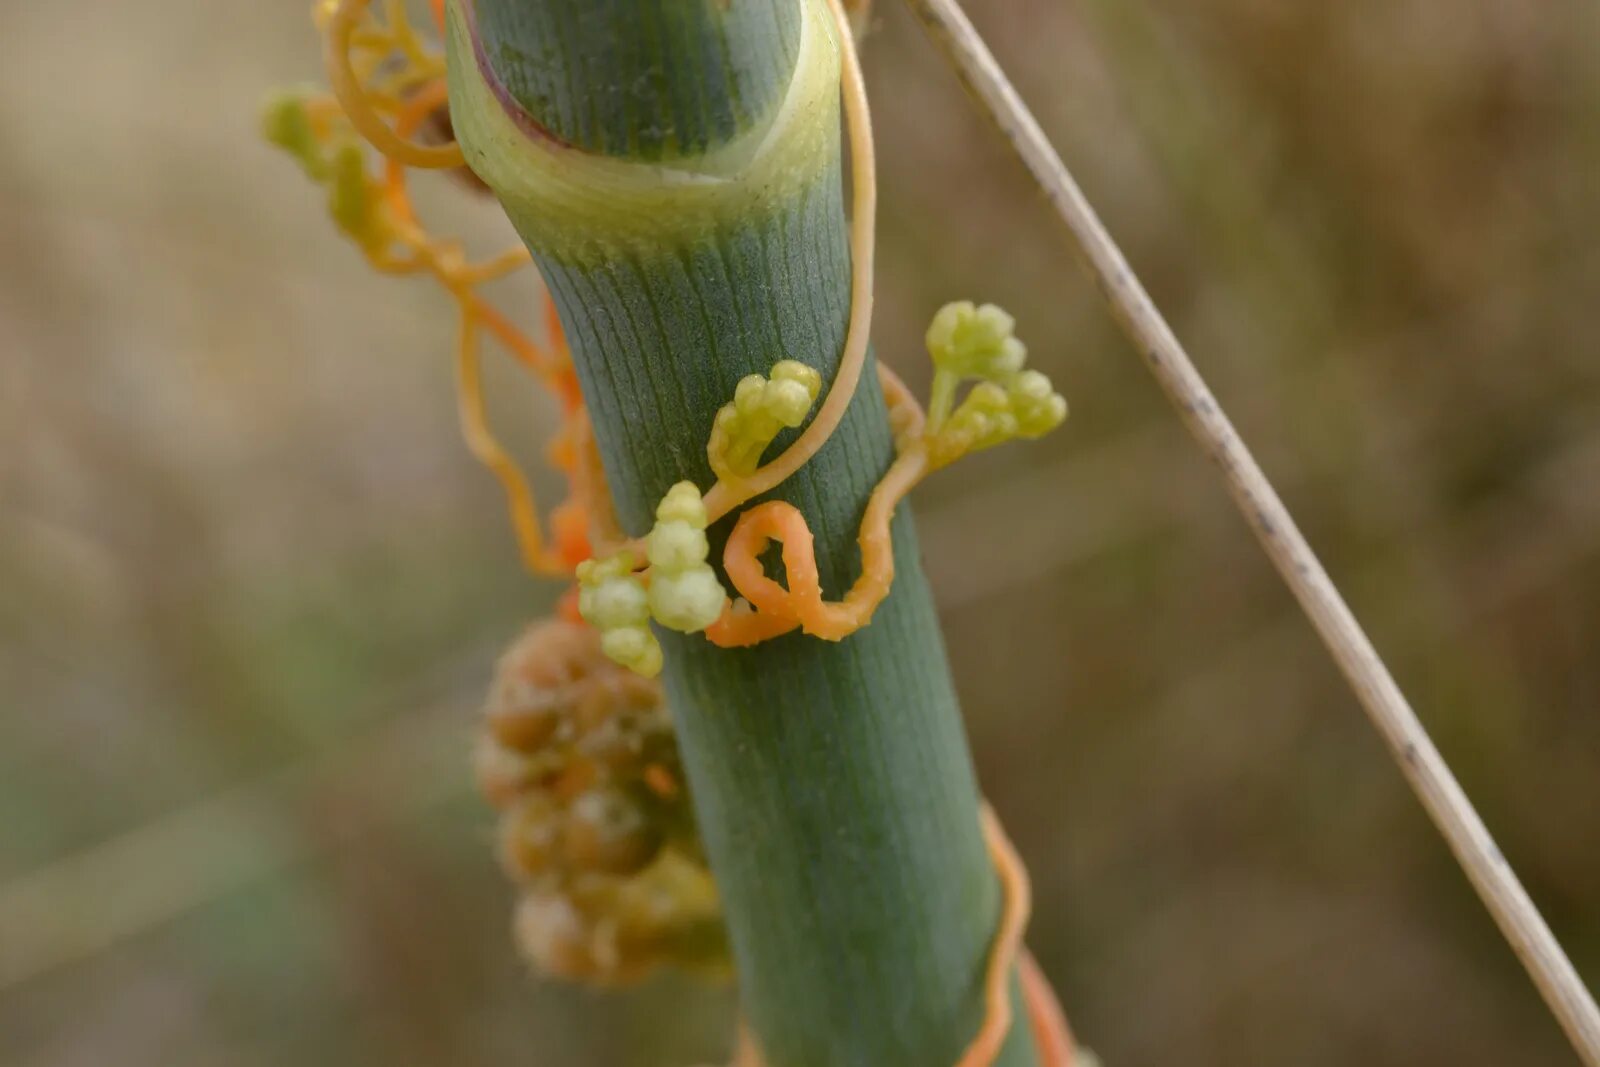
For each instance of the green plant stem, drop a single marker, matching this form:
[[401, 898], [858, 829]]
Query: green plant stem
[[561, 63], [832, 781]]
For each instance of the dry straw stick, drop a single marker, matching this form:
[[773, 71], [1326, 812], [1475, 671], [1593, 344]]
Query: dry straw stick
[[1424, 768]]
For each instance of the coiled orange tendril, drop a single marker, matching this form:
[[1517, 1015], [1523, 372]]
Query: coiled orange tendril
[[778, 609], [344, 29], [367, 85]]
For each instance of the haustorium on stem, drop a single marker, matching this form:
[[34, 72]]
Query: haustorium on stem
[[674, 166]]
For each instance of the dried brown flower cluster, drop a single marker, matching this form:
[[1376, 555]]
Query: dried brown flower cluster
[[579, 756]]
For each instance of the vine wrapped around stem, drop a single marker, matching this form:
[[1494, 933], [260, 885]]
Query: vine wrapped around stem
[[387, 90]]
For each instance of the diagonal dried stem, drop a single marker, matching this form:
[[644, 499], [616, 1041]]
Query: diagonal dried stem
[[1423, 766]]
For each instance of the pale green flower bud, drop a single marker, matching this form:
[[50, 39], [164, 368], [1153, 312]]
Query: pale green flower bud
[[286, 123], [749, 393], [975, 342], [687, 602], [761, 408], [618, 602], [635, 647], [792, 391], [788, 402], [349, 194], [1039, 409], [675, 546], [683, 503], [595, 571]]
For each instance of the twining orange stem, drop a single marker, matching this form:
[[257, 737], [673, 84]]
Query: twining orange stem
[[538, 557], [352, 96], [986, 1044], [1052, 1037], [1048, 1024], [725, 496], [418, 107], [779, 610], [443, 258]]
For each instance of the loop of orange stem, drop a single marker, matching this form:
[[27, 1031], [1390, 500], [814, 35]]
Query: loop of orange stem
[[405, 37], [778, 610], [475, 428], [352, 96], [419, 106], [725, 495]]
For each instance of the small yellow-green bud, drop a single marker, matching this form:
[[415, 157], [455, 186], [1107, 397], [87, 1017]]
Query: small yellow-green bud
[[613, 600], [986, 397], [675, 545], [684, 592], [788, 402], [975, 342], [286, 123], [687, 602], [618, 602], [1026, 405], [635, 647], [609, 594], [761, 408], [683, 503], [594, 571], [792, 370], [792, 391], [1038, 407], [748, 394], [350, 198]]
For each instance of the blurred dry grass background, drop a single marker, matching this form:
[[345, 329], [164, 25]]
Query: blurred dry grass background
[[251, 584]]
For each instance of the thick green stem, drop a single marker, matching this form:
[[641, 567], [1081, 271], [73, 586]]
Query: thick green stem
[[832, 781], [693, 73]]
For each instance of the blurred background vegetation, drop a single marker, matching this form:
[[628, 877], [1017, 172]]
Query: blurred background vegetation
[[251, 585]]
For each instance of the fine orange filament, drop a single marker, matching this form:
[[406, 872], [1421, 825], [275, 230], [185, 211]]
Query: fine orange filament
[[352, 97], [725, 496]]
